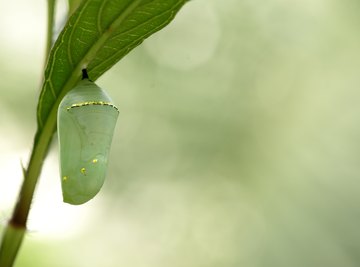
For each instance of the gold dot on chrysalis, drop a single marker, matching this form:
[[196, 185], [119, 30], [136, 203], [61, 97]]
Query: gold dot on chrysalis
[[94, 160], [83, 171], [65, 178]]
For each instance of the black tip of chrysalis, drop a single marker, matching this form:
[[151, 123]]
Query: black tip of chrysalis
[[84, 74]]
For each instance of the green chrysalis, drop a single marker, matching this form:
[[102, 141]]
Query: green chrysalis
[[86, 122]]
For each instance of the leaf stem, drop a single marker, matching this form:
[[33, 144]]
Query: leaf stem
[[16, 227], [14, 232], [50, 28]]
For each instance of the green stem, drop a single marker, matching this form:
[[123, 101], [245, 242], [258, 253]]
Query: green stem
[[11, 242], [32, 174], [15, 230], [50, 28]]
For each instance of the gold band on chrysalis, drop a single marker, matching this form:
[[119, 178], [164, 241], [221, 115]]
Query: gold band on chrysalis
[[90, 103]]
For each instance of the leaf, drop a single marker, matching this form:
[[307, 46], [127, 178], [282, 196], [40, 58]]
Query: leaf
[[96, 36]]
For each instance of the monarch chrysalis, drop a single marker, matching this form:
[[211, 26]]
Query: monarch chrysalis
[[86, 122]]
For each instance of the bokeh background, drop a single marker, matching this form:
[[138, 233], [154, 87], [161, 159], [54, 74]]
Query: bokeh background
[[238, 141]]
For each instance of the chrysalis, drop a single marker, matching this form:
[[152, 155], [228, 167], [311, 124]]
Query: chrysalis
[[86, 122]]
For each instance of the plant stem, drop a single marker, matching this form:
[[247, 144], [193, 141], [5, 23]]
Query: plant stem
[[11, 242], [50, 28], [14, 232]]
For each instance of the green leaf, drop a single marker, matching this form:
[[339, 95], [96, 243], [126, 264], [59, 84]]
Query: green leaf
[[97, 36]]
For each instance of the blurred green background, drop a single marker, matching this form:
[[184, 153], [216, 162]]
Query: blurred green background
[[238, 141]]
